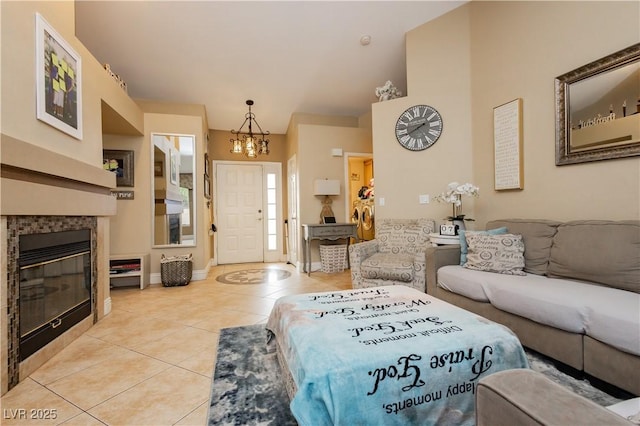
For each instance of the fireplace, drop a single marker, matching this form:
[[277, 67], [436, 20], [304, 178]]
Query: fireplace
[[174, 229], [48, 259], [46, 192], [54, 285]]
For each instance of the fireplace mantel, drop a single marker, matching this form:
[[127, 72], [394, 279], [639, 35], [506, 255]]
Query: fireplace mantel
[[36, 181]]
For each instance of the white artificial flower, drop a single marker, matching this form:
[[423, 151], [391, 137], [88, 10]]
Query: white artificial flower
[[455, 190]]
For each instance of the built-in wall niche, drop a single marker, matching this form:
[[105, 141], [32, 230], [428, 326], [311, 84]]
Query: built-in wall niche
[[173, 190]]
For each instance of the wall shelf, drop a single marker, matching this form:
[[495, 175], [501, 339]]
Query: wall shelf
[[130, 270]]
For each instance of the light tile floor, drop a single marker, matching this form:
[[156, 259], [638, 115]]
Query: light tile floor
[[150, 361]]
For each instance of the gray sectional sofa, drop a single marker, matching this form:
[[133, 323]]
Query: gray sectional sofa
[[578, 300]]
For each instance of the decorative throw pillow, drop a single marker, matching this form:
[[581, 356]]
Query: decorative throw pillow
[[502, 253], [463, 240]]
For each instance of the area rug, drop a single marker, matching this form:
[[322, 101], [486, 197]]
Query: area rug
[[247, 386], [253, 276]]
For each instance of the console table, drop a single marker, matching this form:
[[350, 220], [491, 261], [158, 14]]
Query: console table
[[326, 231]]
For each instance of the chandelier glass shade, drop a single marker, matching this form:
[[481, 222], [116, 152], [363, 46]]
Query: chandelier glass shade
[[249, 143]]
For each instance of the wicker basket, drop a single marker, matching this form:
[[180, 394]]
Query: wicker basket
[[176, 270], [333, 257]]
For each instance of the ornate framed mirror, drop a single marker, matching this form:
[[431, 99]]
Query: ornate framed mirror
[[598, 109]]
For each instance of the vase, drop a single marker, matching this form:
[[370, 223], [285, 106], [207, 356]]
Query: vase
[[457, 207], [459, 222]]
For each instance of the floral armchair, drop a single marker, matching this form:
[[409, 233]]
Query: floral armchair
[[395, 257]]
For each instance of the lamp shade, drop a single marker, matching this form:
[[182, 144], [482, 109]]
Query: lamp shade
[[326, 187]]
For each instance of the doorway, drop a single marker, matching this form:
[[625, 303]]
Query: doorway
[[248, 200], [359, 199]]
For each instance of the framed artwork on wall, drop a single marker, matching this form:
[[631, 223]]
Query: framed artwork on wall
[[207, 187], [507, 146], [174, 166], [121, 163], [158, 168], [58, 81]]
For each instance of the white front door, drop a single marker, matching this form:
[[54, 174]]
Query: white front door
[[239, 191]]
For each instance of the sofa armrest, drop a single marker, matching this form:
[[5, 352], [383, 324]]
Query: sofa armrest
[[526, 397], [438, 257]]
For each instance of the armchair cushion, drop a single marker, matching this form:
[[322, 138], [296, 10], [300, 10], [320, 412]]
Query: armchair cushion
[[389, 266], [403, 236]]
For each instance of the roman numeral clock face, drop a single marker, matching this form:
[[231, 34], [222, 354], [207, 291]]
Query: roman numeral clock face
[[418, 127]]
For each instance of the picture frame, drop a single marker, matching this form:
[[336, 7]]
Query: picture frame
[[58, 81], [158, 168], [508, 156], [207, 187], [119, 162], [174, 169], [598, 110]]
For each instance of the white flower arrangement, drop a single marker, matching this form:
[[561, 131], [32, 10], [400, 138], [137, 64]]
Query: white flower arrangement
[[454, 194]]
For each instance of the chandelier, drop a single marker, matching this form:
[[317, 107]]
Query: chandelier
[[249, 143]]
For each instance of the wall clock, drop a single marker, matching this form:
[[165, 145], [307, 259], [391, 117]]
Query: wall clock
[[418, 127]]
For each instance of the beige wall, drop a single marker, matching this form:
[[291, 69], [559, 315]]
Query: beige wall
[[439, 75], [316, 162], [480, 56], [129, 227], [19, 83], [546, 40]]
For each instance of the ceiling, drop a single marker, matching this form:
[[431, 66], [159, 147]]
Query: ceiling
[[290, 56]]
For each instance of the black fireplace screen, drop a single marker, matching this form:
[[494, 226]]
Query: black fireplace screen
[[55, 285]]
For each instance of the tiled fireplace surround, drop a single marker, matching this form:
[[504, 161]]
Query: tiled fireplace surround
[[25, 225]]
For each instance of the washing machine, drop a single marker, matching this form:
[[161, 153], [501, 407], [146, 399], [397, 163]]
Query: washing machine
[[363, 216], [356, 212]]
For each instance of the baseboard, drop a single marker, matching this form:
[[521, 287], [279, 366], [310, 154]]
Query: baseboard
[[197, 275], [107, 306]]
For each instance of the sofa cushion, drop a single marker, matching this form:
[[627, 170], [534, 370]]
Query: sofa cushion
[[554, 302], [606, 314], [464, 248], [403, 236], [604, 252], [615, 319], [466, 282], [537, 235], [502, 253], [389, 266]]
